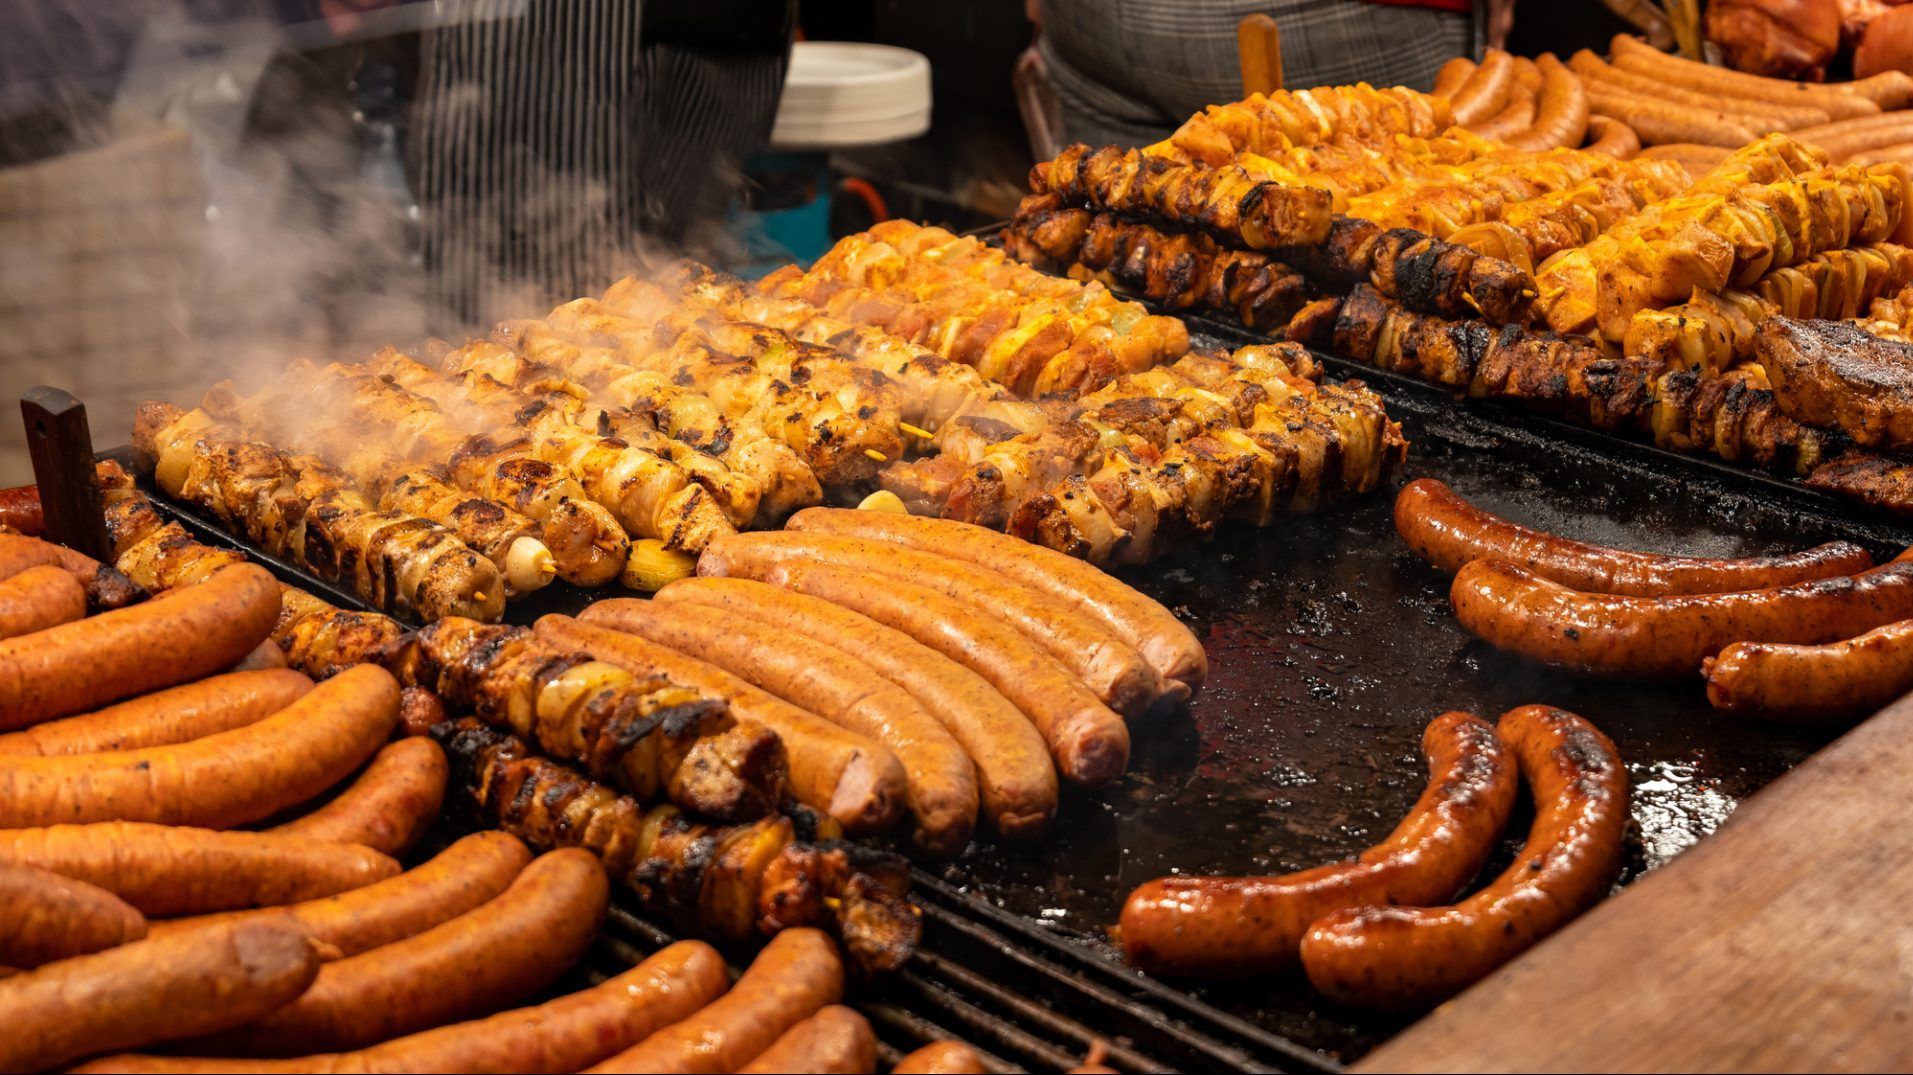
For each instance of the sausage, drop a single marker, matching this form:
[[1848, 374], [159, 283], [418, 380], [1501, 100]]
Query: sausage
[[151, 991], [1451, 76], [1517, 610], [1486, 90], [1105, 663], [835, 1041], [1845, 140], [1659, 120], [51, 917], [1897, 153], [175, 715], [1612, 137], [847, 776], [1088, 741], [80, 666], [39, 598], [560, 1035], [1514, 117], [20, 510], [1015, 776], [941, 791], [172, 870], [1764, 114], [1561, 113], [389, 806], [941, 1058], [1631, 54], [1449, 532], [1828, 682], [1527, 74], [1210, 926], [420, 710], [795, 975], [1696, 158], [219, 781], [456, 880], [494, 955], [1890, 90], [1170, 647], [266, 655], [1403, 958], [106, 587]]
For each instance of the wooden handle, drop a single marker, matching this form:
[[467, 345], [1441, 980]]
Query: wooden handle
[[1259, 46], [61, 447]]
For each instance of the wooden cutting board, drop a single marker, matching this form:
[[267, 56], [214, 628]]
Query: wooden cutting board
[[1783, 942]]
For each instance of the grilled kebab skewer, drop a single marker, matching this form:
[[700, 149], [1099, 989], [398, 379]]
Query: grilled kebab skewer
[[1227, 201]]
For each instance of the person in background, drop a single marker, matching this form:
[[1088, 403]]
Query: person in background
[[1129, 71]]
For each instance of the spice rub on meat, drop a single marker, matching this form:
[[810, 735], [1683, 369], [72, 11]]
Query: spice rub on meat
[[1830, 373]]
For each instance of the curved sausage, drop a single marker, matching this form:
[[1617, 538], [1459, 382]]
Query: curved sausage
[[1449, 532], [494, 955], [1486, 90], [175, 715], [795, 975], [941, 794], [1088, 740], [560, 1035], [1612, 137], [941, 1058], [39, 598], [1157, 634], [80, 666], [458, 879], [1657, 120], [835, 1041], [221, 780], [1402, 958], [1561, 113], [1890, 90], [1767, 115], [1632, 54], [848, 776], [1517, 610], [1527, 74], [1254, 925], [20, 510], [1106, 664], [1796, 682], [51, 917], [389, 806], [1015, 775], [106, 587], [1515, 116], [152, 991], [171, 870], [1451, 76]]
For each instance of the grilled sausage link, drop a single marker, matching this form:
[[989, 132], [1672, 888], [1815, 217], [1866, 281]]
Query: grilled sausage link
[[389, 806], [175, 715], [835, 1041], [1794, 682], [1517, 610], [1254, 925], [941, 1058], [1405, 958], [39, 598], [51, 917], [1449, 532]]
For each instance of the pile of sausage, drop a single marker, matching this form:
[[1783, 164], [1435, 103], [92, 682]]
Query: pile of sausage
[[911, 665], [1380, 930], [1534, 104], [1819, 634]]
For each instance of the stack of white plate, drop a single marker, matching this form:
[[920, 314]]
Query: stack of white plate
[[840, 94]]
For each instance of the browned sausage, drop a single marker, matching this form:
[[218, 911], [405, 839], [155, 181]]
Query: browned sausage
[[1451, 76], [20, 510], [1449, 532], [1829, 682], [941, 794], [169, 870], [1014, 772], [1612, 137], [560, 1035], [80, 666], [420, 710], [175, 715], [941, 1058], [51, 917], [1088, 740], [1657, 120], [263, 657], [1767, 115], [846, 775], [1515, 116], [1410, 957], [1527, 74], [1561, 113], [106, 588], [221, 780], [1486, 90], [494, 955], [1889, 89], [795, 975], [152, 991], [1106, 664], [835, 1041], [1253, 925], [1517, 610], [389, 806], [1170, 647], [1696, 158], [470, 872], [39, 598], [1632, 54]]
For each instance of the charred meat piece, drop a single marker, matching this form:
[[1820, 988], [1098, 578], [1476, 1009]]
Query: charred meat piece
[[1227, 202], [1874, 480], [1833, 374]]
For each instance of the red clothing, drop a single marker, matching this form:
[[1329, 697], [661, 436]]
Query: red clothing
[[1460, 7]]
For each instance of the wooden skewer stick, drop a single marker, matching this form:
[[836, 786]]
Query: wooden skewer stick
[[1259, 46], [61, 447]]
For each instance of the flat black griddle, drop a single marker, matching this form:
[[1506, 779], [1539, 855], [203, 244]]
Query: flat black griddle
[[1331, 647]]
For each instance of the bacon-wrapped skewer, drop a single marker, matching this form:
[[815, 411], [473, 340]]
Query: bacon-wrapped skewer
[[653, 738], [1227, 201], [725, 882]]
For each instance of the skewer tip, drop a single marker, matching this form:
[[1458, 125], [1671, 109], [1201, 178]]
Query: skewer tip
[[877, 455]]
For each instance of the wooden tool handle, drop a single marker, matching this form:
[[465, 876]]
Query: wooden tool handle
[[1259, 46], [61, 447]]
